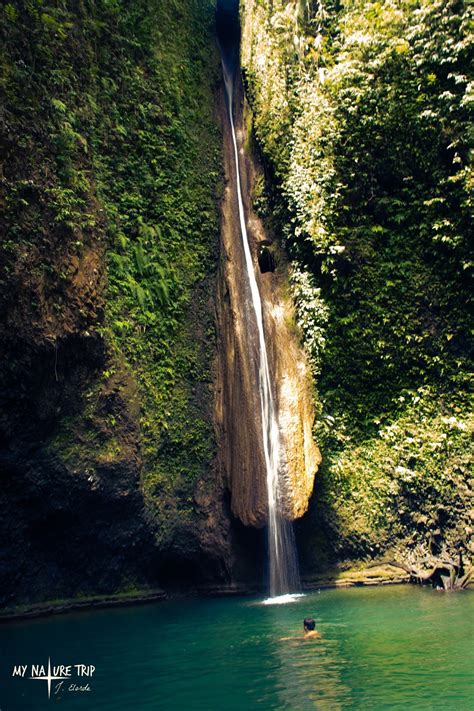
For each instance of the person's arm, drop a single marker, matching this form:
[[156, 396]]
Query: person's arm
[[287, 639]]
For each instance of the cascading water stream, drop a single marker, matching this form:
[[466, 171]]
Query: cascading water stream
[[284, 576]]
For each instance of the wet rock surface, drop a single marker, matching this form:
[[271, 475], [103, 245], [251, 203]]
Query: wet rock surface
[[238, 406]]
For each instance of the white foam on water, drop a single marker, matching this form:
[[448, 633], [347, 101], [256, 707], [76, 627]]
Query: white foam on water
[[282, 599]]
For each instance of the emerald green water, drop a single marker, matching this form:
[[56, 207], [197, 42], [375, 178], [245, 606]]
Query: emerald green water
[[381, 648]]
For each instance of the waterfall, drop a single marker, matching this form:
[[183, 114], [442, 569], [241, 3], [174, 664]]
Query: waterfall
[[284, 576]]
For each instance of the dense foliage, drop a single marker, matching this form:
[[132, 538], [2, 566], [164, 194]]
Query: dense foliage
[[113, 149], [364, 114]]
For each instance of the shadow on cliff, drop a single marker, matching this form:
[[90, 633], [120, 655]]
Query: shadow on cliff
[[228, 31]]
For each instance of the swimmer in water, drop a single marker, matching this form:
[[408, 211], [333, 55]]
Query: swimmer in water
[[309, 628], [309, 631]]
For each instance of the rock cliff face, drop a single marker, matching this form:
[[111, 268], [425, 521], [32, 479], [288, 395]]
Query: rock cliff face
[[375, 210], [108, 279], [238, 406]]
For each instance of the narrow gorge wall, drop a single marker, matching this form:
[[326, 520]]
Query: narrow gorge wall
[[112, 476], [110, 179], [362, 114], [129, 423]]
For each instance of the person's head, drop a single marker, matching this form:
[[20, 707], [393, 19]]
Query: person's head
[[309, 624]]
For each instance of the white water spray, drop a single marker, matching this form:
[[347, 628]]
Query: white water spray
[[284, 577]]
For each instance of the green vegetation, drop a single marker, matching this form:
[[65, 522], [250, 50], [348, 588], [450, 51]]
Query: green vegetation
[[110, 185], [114, 158], [409, 482], [364, 115]]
